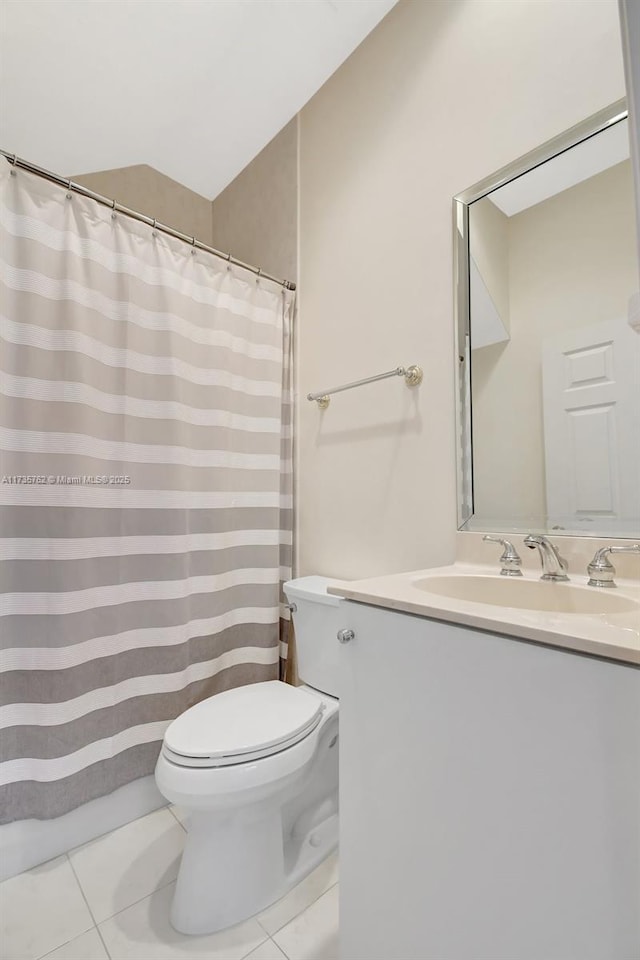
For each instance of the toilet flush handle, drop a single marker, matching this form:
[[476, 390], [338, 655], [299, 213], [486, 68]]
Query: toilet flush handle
[[344, 636]]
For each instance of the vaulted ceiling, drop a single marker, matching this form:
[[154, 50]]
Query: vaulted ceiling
[[194, 88]]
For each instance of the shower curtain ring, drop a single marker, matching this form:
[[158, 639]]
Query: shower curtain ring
[[69, 188], [153, 228]]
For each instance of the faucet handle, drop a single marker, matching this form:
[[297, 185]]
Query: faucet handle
[[601, 571], [510, 559]]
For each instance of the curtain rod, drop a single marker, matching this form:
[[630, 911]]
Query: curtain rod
[[135, 215]]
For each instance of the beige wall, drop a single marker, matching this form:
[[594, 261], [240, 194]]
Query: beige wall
[[441, 94], [146, 190], [255, 218], [572, 262]]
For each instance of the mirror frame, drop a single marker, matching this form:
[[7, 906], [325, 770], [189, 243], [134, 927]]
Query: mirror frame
[[461, 299]]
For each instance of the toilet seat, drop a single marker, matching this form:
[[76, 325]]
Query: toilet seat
[[241, 725]]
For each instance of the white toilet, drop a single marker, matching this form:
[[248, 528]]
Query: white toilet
[[256, 767]]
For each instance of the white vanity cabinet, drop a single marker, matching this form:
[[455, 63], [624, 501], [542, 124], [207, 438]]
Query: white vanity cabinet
[[489, 796]]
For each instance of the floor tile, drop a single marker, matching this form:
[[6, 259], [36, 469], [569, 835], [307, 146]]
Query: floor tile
[[130, 863], [181, 815], [49, 894], [301, 897], [143, 932], [88, 946], [267, 951], [313, 935]]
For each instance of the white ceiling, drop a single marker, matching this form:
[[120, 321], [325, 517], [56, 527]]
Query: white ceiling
[[195, 88]]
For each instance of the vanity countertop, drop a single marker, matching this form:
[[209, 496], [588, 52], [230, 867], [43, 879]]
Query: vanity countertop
[[613, 635]]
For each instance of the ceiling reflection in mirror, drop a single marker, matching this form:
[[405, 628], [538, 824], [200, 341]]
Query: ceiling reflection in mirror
[[549, 345]]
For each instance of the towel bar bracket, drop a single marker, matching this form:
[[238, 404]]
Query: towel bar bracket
[[413, 375]]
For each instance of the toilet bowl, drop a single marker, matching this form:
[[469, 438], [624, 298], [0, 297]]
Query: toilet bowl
[[256, 768]]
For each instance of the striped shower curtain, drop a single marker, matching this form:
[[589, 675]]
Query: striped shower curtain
[[145, 490]]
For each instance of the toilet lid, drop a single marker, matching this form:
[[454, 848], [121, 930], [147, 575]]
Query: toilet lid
[[259, 718]]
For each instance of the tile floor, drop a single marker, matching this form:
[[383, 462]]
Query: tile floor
[[110, 899]]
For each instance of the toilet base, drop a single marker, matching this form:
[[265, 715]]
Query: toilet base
[[227, 872], [250, 869]]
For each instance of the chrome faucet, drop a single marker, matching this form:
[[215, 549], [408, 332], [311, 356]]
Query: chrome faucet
[[509, 558], [601, 571], [554, 567]]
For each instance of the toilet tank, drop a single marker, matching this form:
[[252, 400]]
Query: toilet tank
[[317, 618]]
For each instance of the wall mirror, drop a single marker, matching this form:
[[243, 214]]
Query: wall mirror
[[548, 339]]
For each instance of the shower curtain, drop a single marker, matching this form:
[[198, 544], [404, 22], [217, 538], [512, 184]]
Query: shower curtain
[[145, 488]]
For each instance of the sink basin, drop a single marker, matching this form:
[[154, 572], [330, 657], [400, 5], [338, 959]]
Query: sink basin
[[528, 594]]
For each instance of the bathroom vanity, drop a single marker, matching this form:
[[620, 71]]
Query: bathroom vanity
[[489, 783], [490, 725]]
